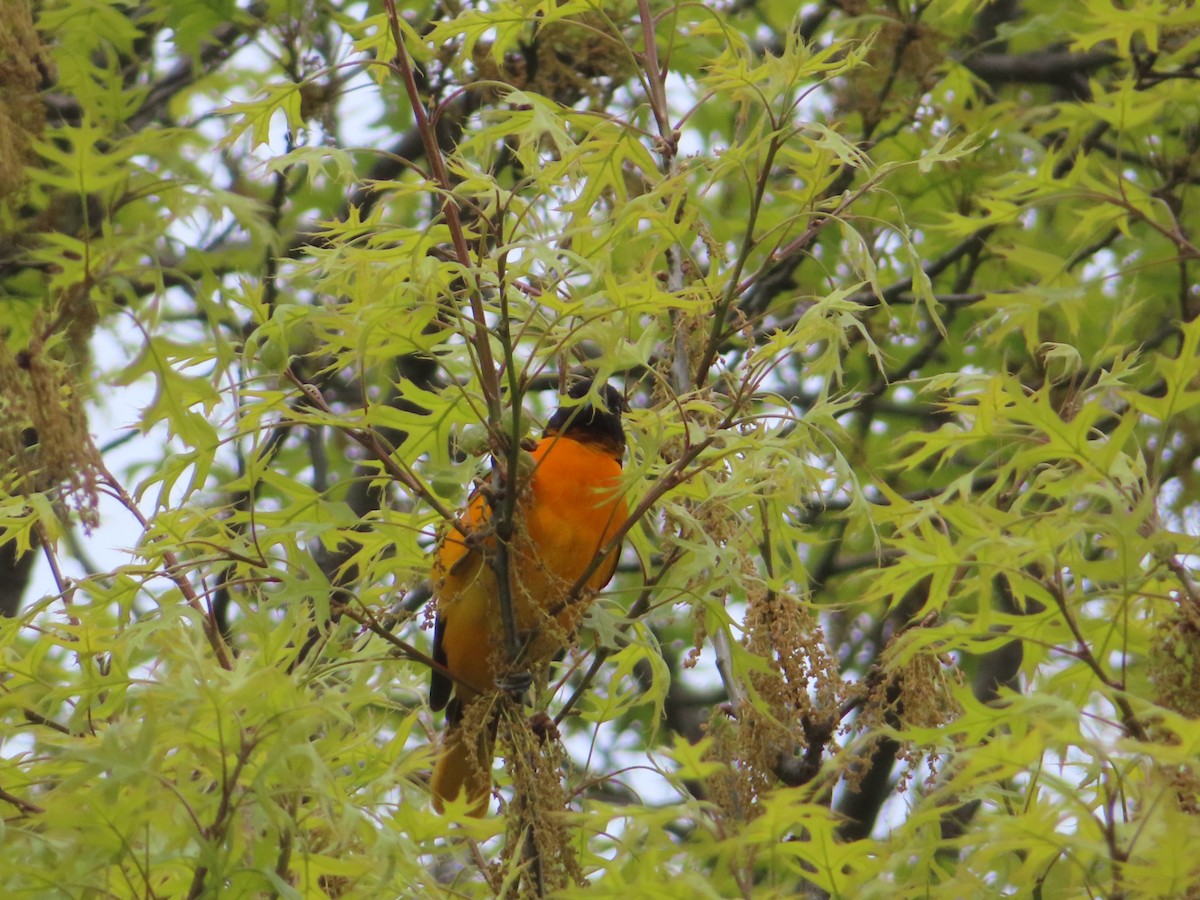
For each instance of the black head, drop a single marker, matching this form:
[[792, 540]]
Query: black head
[[590, 421]]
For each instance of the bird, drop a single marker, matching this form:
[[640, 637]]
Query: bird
[[568, 510]]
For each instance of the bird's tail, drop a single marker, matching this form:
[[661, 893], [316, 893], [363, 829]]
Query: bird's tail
[[464, 765]]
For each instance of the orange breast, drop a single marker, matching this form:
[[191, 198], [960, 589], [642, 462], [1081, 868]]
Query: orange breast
[[571, 509]]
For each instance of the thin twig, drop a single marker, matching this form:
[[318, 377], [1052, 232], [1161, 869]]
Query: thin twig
[[402, 66], [20, 803], [173, 570], [407, 650]]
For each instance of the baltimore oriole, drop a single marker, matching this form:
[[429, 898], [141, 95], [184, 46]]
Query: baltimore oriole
[[570, 508]]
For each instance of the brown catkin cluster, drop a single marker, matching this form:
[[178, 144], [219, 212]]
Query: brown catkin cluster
[[913, 690], [21, 112], [1174, 663], [566, 59], [718, 527], [780, 628], [44, 439], [1174, 670], [926, 701], [926, 698], [800, 684], [900, 67], [538, 839]]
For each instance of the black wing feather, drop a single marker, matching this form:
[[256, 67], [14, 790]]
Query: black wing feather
[[440, 684]]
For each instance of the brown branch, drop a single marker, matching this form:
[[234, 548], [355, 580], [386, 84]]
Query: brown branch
[[36, 718], [20, 803], [1057, 67], [15, 571], [225, 809], [1084, 654], [481, 339]]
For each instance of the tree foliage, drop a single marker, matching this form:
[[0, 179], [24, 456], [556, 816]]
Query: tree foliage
[[904, 300]]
